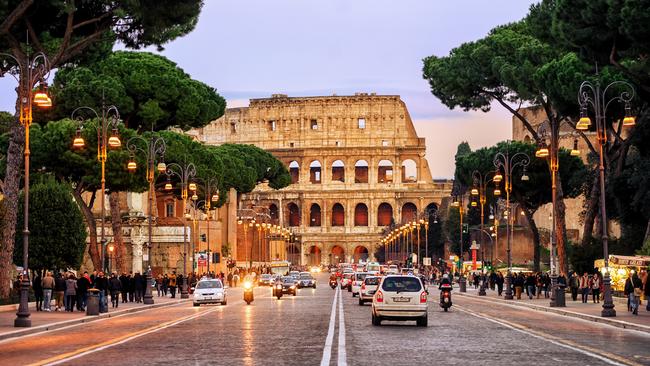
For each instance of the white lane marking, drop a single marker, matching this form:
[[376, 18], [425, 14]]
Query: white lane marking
[[327, 349], [342, 359], [585, 352]]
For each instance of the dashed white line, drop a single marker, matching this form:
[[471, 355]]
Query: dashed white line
[[342, 359], [327, 349]]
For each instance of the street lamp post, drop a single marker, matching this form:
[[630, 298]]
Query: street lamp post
[[507, 163], [109, 118], [152, 148], [591, 94], [458, 202], [185, 173], [211, 191], [481, 182], [27, 72]]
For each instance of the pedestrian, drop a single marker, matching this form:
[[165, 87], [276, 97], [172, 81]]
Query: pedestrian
[[101, 283], [138, 286], [131, 287], [230, 279], [595, 288], [47, 284], [235, 279], [633, 291], [70, 292], [115, 287], [584, 287], [159, 284], [530, 286], [499, 283], [165, 284], [574, 284], [172, 284], [124, 287], [519, 285], [83, 284], [37, 285], [646, 292], [59, 291]]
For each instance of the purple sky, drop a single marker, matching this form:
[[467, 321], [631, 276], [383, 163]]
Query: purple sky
[[254, 48]]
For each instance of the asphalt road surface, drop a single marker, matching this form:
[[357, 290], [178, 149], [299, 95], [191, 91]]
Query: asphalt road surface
[[328, 327]]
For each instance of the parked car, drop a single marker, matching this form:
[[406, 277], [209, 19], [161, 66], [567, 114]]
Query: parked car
[[400, 298], [368, 289], [209, 291]]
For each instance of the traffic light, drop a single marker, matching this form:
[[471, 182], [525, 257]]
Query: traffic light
[[465, 228]]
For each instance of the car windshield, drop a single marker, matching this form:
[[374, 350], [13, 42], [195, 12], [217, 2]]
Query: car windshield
[[287, 279], [372, 281], [361, 276], [306, 276], [401, 284], [209, 284], [266, 277]]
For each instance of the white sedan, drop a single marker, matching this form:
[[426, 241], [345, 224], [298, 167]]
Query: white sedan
[[209, 291], [400, 297]]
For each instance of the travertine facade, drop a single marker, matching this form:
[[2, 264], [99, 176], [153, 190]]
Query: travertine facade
[[356, 163]]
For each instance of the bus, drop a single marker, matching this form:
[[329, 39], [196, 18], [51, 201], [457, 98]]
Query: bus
[[280, 268]]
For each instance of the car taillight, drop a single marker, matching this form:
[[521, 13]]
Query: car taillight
[[380, 296], [363, 287], [423, 297]]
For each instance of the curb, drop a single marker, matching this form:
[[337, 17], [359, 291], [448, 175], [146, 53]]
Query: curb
[[596, 319], [85, 319]]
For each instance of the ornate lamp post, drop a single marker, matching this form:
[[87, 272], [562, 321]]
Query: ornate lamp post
[[185, 173], [481, 182], [507, 163], [153, 149], [108, 118], [591, 95], [27, 72], [458, 202]]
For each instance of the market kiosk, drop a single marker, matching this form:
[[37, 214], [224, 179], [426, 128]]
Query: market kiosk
[[621, 266]]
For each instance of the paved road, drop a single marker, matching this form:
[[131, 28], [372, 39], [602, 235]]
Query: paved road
[[310, 329]]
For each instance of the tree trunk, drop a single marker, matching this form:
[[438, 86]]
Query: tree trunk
[[560, 228], [86, 210], [591, 211], [11, 192], [116, 224], [536, 240]]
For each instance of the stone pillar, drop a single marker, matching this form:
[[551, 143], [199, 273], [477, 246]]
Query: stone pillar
[[138, 238]]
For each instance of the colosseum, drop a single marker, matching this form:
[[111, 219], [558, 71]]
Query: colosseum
[[356, 165]]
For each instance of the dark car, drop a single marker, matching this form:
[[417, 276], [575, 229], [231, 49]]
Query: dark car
[[289, 285]]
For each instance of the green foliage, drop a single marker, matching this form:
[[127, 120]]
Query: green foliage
[[57, 232], [5, 121], [150, 91], [452, 229]]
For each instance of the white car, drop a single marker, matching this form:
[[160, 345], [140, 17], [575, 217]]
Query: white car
[[400, 298], [346, 281], [392, 269], [357, 281], [209, 291], [368, 289]]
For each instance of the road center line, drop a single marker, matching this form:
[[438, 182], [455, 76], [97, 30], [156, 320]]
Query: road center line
[[547, 338], [342, 359], [327, 349]]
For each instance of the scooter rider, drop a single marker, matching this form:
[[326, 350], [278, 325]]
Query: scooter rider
[[445, 281]]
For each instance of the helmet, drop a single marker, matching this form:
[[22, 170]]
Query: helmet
[[446, 276]]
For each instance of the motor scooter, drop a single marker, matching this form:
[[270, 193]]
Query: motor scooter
[[333, 284], [277, 290], [445, 296], [248, 292]]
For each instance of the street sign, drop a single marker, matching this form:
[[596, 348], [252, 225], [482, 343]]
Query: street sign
[[426, 261]]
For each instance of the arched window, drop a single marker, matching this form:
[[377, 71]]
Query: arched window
[[360, 254], [294, 214], [294, 171], [384, 214], [361, 172], [314, 215], [315, 172], [273, 212], [337, 255], [409, 212], [338, 215], [385, 171], [409, 171], [361, 215], [338, 171]]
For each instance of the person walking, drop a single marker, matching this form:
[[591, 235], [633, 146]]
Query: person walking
[[235, 279], [574, 284], [172, 284], [115, 287], [124, 287], [229, 279], [499, 283], [59, 291], [633, 291], [159, 284], [131, 287], [101, 283], [530, 286], [47, 285], [584, 287], [83, 284], [138, 287], [37, 285], [595, 288], [70, 292], [519, 285], [165, 284]]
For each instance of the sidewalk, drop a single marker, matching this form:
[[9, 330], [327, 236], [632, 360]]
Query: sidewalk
[[43, 320], [588, 311]]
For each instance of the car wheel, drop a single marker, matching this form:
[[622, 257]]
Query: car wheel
[[446, 309], [354, 295], [376, 321], [294, 293], [224, 302], [423, 321], [361, 302], [195, 304]]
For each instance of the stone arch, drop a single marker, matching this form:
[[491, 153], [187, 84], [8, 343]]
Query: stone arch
[[337, 254], [409, 171], [384, 214], [409, 212], [274, 213], [338, 171], [315, 172], [294, 214], [385, 171], [361, 215], [314, 215], [314, 256], [361, 253], [338, 215], [361, 171], [294, 171]]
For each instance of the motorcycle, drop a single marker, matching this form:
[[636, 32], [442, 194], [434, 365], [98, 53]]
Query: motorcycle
[[277, 290], [248, 292], [333, 284], [445, 296]]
